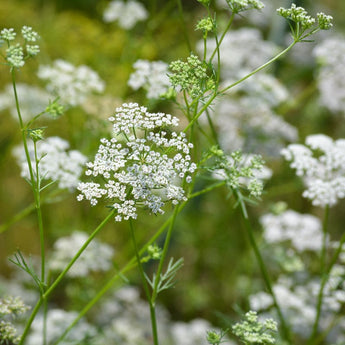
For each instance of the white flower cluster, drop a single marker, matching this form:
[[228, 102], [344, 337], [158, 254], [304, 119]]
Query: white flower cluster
[[302, 230], [331, 77], [193, 332], [152, 76], [143, 164], [249, 124], [322, 164], [17, 54], [124, 319], [297, 299], [55, 162], [96, 257], [10, 308], [57, 320], [33, 100], [127, 14], [72, 84]]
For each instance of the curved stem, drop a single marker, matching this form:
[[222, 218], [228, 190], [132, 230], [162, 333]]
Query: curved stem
[[61, 276], [222, 37], [185, 34], [215, 94]]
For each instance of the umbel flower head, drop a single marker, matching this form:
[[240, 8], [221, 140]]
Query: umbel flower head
[[322, 164], [142, 165], [16, 53]]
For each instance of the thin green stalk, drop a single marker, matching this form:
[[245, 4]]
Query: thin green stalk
[[215, 94], [146, 287], [263, 269], [98, 296], [164, 253], [185, 34], [62, 275], [325, 275], [39, 213], [208, 189], [259, 68], [26, 211], [222, 37], [35, 182]]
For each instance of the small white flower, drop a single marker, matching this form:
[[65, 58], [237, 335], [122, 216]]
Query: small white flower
[[302, 230], [127, 14], [72, 84], [57, 321], [96, 257], [150, 75], [28, 34], [322, 164], [8, 34]]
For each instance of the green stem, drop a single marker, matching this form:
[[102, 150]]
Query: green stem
[[146, 287], [20, 215], [325, 275], [215, 94], [61, 276], [263, 269], [222, 37], [177, 210], [185, 34], [39, 213], [208, 189]]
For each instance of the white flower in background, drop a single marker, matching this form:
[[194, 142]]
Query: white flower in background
[[127, 14], [249, 124], [321, 162], [142, 165], [72, 84], [302, 230], [190, 333], [297, 300], [263, 87], [32, 100], [125, 319], [152, 76], [57, 322], [10, 308], [331, 77], [56, 162], [96, 257], [236, 58]]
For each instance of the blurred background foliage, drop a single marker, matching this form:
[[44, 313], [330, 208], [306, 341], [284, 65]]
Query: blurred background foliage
[[219, 268]]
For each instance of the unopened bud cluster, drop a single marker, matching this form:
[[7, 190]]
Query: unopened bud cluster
[[252, 331], [190, 76], [17, 53], [304, 21]]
